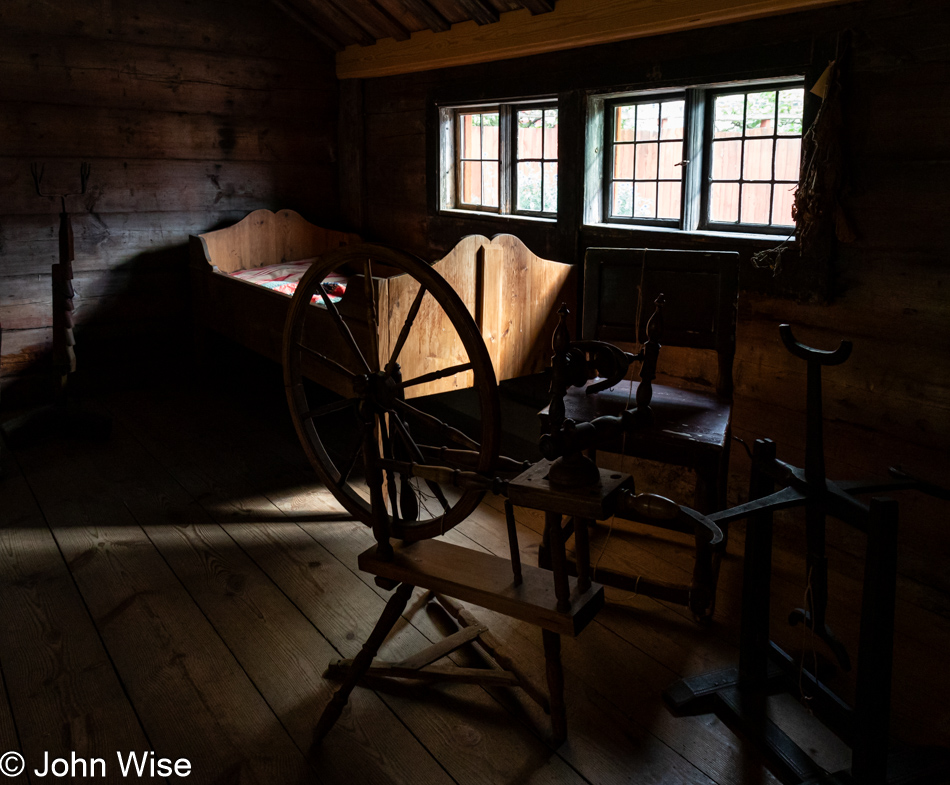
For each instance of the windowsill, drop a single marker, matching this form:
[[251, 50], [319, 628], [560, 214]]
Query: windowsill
[[743, 237], [506, 217]]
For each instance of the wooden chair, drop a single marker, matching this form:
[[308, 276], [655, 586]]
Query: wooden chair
[[692, 428]]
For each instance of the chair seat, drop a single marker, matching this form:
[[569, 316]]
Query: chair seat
[[691, 428]]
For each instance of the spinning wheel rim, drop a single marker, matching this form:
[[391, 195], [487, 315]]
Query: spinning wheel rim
[[367, 386]]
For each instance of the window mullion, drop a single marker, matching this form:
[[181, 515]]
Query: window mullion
[[610, 115], [458, 159], [745, 111], [774, 150], [505, 171], [695, 182]]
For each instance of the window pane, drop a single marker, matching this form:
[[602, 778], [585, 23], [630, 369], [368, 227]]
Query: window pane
[[550, 134], [621, 201], [530, 133], [760, 114], [668, 200], [755, 203], [529, 186], [471, 135], [471, 185], [644, 205], [648, 122], [646, 161], [671, 153], [624, 117], [788, 153], [550, 187], [757, 162], [790, 106], [490, 138], [782, 204], [728, 116], [623, 161], [671, 125], [725, 160], [490, 184], [724, 202]]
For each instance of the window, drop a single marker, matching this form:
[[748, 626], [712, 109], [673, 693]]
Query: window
[[645, 160], [478, 160], [500, 158], [703, 158], [754, 149]]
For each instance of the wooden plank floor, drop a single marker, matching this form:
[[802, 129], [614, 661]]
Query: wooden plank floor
[[181, 587]]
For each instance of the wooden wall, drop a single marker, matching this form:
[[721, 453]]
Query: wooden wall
[[890, 290], [191, 114]]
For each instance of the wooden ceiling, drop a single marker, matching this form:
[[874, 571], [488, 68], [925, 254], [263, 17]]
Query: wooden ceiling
[[340, 23]]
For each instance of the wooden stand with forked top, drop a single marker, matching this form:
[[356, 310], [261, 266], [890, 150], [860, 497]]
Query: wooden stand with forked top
[[764, 668]]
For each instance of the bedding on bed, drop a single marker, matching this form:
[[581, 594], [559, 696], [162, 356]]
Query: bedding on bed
[[285, 276]]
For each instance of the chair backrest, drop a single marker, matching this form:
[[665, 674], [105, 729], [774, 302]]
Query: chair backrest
[[701, 289]]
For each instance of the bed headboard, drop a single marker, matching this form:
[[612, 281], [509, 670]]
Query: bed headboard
[[264, 237]]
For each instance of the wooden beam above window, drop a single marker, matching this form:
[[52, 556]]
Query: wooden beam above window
[[571, 24]]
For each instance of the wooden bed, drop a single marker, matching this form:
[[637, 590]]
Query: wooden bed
[[512, 294]]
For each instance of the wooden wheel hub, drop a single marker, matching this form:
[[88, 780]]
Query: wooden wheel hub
[[381, 389]]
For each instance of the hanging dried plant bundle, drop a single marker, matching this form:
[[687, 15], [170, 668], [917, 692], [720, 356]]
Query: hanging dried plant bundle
[[816, 199], [816, 209]]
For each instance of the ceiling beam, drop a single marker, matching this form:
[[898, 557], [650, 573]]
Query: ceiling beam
[[573, 23], [481, 13], [538, 6], [396, 25], [343, 27], [367, 16], [427, 15], [321, 35]]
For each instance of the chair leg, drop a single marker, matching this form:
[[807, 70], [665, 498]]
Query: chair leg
[[555, 674], [361, 663]]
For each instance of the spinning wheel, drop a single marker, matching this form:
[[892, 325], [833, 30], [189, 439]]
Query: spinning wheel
[[409, 470], [374, 422]]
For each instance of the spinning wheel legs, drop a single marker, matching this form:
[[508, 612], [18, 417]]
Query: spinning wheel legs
[[394, 608], [421, 665], [555, 674]]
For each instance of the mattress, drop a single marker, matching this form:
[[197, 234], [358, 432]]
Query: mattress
[[285, 276]]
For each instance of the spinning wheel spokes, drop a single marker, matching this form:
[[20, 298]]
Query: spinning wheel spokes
[[406, 327], [340, 324], [435, 375], [443, 430], [331, 364], [355, 443]]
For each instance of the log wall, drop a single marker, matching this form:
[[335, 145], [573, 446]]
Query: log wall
[[889, 291], [190, 115]]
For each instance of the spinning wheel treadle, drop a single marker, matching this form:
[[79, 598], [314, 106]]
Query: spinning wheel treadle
[[376, 420]]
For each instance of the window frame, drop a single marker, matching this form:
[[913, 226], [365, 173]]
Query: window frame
[[610, 115], [514, 160], [697, 147], [757, 86], [449, 194], [457, 135]]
